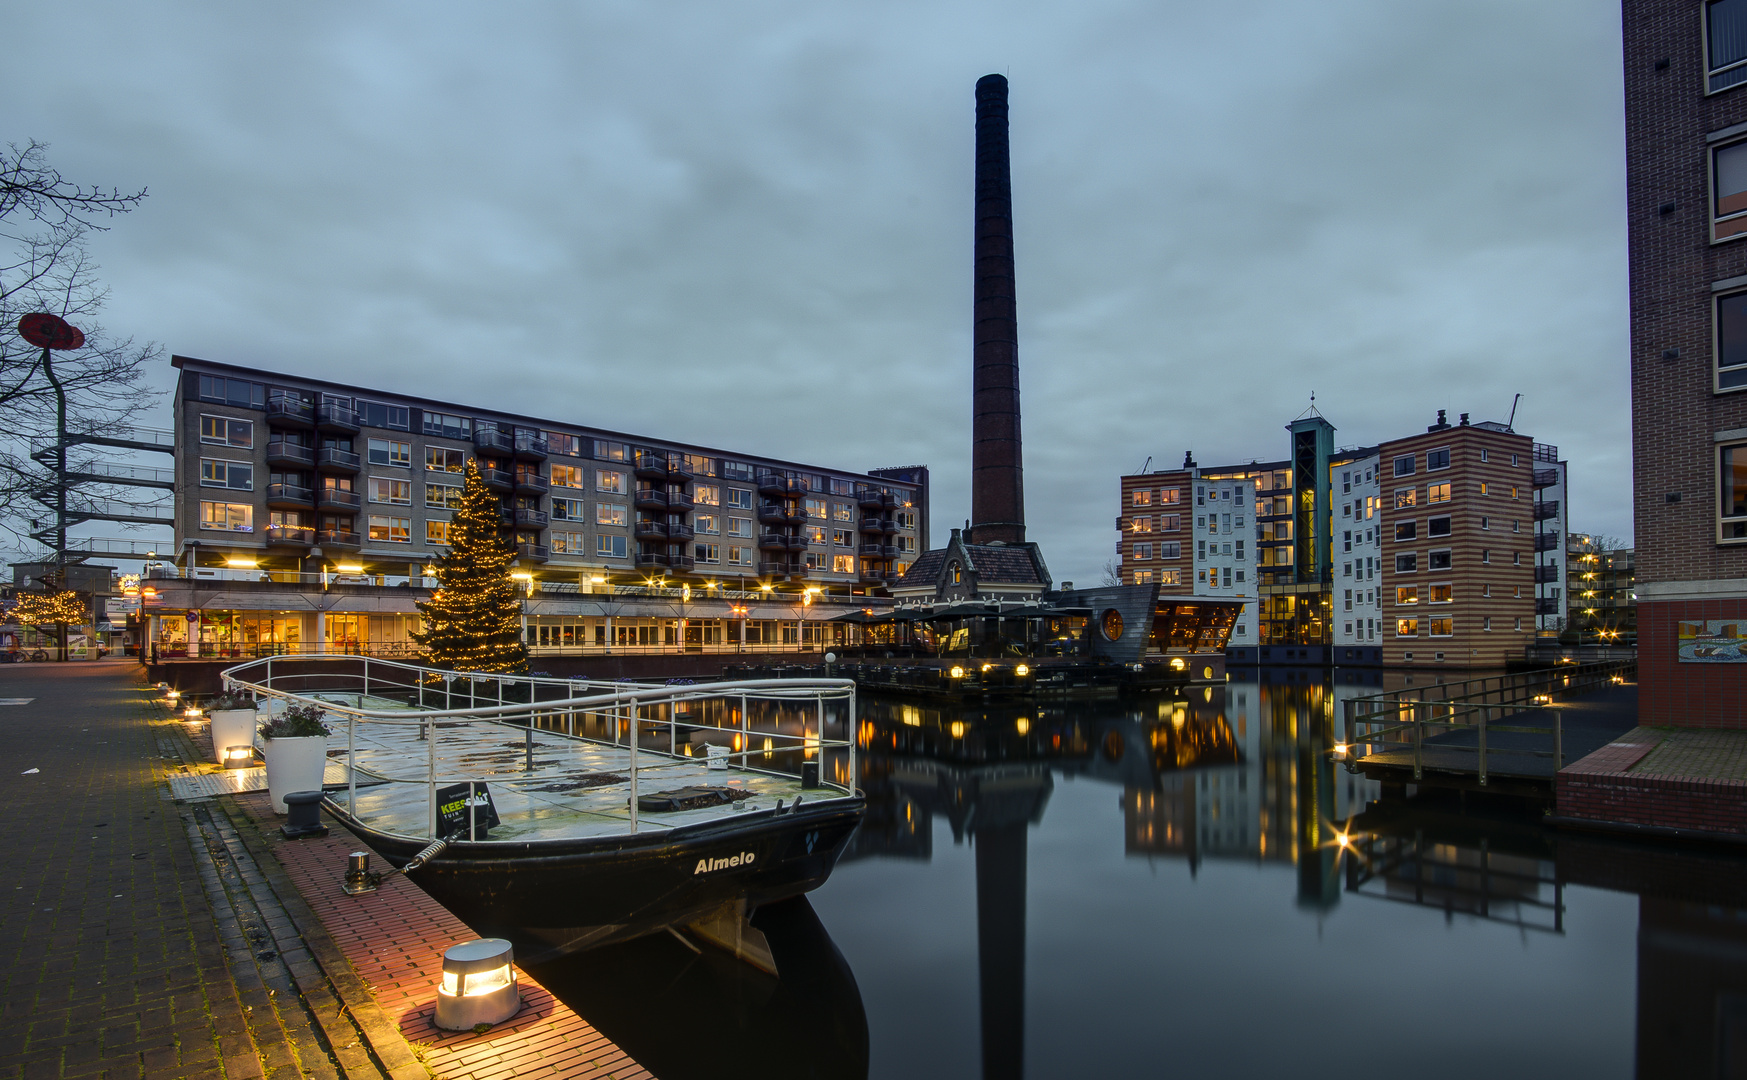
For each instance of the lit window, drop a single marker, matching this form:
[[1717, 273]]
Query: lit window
[[442, 496], [1732, 500], [232, 517], [1440, 594], [569, 476], [1441, 627], [843, 564], [1407, 594], [568, 543], [227, 474], [575, 510], [387, 452], [445, 459], [1438, 493], [1406, 627], [609, 480], [1143, 498], [1405, 497], [707, 495], [391, 530], [567, 445], [397, 492], [1142, 524], [436, 532]]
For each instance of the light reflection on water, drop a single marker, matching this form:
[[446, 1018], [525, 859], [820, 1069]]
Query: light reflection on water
[[1157, 886]]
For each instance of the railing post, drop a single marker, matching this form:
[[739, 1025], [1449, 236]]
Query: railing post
[[1558, 743], [431, 772], [352, 765], [1483, 710], [852, 729], [633, 747], [1418, 741]]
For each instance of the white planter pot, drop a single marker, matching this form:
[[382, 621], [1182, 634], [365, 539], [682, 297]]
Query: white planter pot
[[294, 765], [232, 727]]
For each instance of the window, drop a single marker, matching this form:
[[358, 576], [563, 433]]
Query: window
[[1515, 525], [1440, 594], [907, 544], [906, 519], [1143, 551], [1483, 487], [1485, 557], [569, 476], [1406, 627], [390, 530], [1486, 623], [1513, 491], [609, 480], [1169, 496], [227, 474], [1725, 34], [1347, 599], [843, 564], [1240, 550], [445, 459], [1441, 626], [1143, 577], [441, 496], [1226, 573], [1407, 564], [226, 431], [1516, 558], [609, 547], [605, 450], [1437, 459], [1486, 523], [1200, 550], [816, 509], [739, 526], [566, 445], [238, 392], [1346, 509], [436, 532], [1347, 482], [1406, 497], [1346, 569], [232, 517], [707, 495], [1732, 494], [842, 512], [1141, 525], [447, 426], [608, 513], [1143, 498], [1170, 522], [573, 510], [1483, 453], [740, 498], [383, 490], [1438, 560], [384, 452], [1170, 549], [1170, 577], [1407, 530], [567, 543], [842, 538], [735, 470], [1347, 540], [376, 414], [815, 561], [707, 523], [706, 466], [1372, 502], [1404, 465], [1438, 526], [1519, 624], [739, 556], [707, 553], [815, 535], [1407, 594], [1437, 493]]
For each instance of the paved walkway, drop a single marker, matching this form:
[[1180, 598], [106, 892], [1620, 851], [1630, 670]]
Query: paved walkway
[[1675, 781]]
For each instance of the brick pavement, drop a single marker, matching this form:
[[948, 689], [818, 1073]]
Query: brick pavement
[[1686, 782], [110, 960]]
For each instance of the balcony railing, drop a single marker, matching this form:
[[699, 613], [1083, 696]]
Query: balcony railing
[[333, 416], [1546, 541], [529, 445], [340, 538], [290, 535], [650, 498], [776, 484], [280, 452], [1546, 510], [289, 495], [532, 482], [498, 479], [333, 498], [650, 530], [290, 411], [533, 552], [336, 460], [526, 519], [491, 439]]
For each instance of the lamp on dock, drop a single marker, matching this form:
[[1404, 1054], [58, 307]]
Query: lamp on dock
[[239, 757], [478, 987]]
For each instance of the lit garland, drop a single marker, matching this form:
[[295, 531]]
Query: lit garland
[[64, 608], [473, 620]]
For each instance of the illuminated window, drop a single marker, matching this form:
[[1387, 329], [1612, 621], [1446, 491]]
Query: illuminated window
[[569, 476], [1438, 493], [1406, 627], [1440, 594], [227, 474], [442, 496], [397, 492], [1143, 498], [568, 543], [843, 564], [390, 530], [1441, 627], [1407, 594], [232, 517], [707, 495], [445, 459], [609, 480], [1143, 577], [436, 532], [1141, 525], [1405, 497]]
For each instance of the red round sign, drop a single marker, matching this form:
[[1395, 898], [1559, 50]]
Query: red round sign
[[47, 331]]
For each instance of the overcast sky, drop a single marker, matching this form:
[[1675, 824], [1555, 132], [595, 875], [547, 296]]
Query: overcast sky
[[749, 225]]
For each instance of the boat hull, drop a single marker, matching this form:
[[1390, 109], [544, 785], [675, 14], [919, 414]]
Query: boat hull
[[579, 893]]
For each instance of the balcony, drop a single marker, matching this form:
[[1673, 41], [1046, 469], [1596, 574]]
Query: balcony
[[290, 412], [872, 551], [1545, 478], [1544, 574], [796, 543], [777, 514], [681, 562], [648, 560], [873, 576], [289, 497], [870, 498], [533, 552], [650, 499], [290, 536], [679, 501], [655, 531], [499, 480], [680, 532], [336, 417], [888, 525], [1546, 541], [490, 440], [873, 525], [652, 466], [1547, 510], [775, 569], [1548, 607], [773, 542], [338, 500], [339, 538], [778, 486], [333, 459], [521, 518], [530, 446], [531, 483], [289, 454]]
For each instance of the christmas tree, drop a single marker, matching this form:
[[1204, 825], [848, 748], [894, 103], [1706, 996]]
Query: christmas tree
[[473, 620], [59, 609]]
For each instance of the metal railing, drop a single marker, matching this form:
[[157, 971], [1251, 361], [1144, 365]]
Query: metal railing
[[1399, 719], [629, 715]]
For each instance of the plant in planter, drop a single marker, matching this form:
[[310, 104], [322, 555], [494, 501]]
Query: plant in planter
[[297, 752], [233, 726]]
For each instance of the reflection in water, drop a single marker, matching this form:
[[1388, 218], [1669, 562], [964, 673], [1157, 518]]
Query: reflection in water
[[1222, 777]]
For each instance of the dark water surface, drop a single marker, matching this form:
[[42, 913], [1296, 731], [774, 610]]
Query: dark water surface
[[1157, 887]]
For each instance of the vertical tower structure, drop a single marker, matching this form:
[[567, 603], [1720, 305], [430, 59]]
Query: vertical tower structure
[[997, 470]]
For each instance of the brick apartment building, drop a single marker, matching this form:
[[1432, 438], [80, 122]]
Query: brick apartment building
[[1686, 185], [1191, 537]]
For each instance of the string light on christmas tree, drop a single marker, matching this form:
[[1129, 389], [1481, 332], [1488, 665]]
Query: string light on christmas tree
[[473, 620]]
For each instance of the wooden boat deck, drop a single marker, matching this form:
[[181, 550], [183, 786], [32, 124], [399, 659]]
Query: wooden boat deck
[[578, 788]]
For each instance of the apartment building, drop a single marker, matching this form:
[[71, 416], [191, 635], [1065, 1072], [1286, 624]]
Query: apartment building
[[1192, 537], [297, 483], [1604, 605], [1358, 621], [1686, 202], [1458, 525]]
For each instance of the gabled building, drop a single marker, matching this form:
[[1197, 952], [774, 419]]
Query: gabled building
[[966, 571]]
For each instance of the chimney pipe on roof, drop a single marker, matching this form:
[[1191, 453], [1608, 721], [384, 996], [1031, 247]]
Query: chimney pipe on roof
[[997, 468]]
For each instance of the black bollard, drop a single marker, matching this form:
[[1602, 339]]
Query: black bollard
[[303, 815]]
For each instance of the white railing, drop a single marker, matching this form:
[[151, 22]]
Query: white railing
[[622, 712]]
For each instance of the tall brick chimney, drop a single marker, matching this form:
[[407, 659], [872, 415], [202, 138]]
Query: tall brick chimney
[[997, 471]]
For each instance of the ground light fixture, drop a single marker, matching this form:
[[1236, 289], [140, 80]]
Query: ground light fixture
[[479, 986], [239, 757]]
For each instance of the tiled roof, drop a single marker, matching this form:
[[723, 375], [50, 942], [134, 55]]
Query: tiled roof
[[926, 569], [1003, 565]]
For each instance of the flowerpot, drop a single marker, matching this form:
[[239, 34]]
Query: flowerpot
[[232, 727], [294, 765]]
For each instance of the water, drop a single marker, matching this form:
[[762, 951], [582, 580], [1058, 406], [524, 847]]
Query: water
[[1140, 888]]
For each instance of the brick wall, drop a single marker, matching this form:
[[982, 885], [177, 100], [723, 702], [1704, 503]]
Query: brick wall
[[1673, 694], [1666, 802]]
